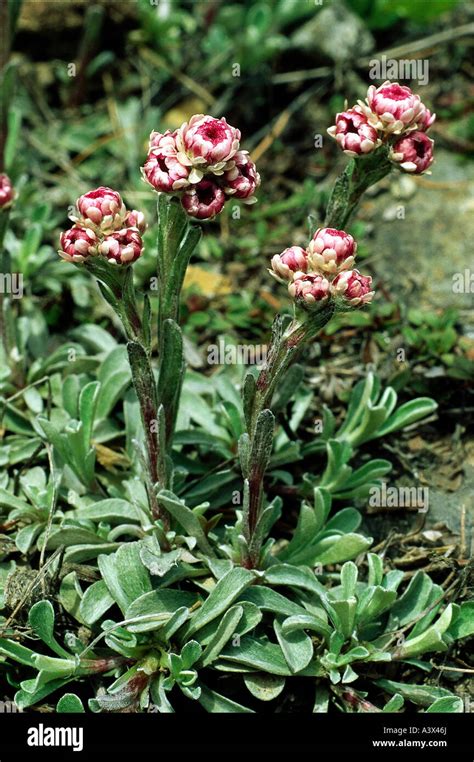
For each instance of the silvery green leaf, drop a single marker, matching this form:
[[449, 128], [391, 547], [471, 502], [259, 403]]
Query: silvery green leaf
[[394, 704], [360, 395], [215, 702], [262, 441], [270, 600], [41, 621], [155, 608], [346, 612], [113, 510], [227, 627], [186, 518], [244, 454], [445, 705], [159, 697], [248, 395], [377, 601], [340, 548], [349, 675], [25, 698], [124, 574], [430, 640], [412, 601], [423, 695], [180, 616], [156, 561], [293, 576], [375, 564], [349, 575], [171, 373], [251, 617], [261, 655], [307, 622], [69, 703], [95, 602], [373, 418], [264, 687], [462, 625], [297, 647], [17, 652], [406, 414], [226, 592]]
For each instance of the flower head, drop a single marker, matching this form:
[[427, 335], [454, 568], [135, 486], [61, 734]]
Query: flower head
[[309, 290], [164, 172], [285, 265], [243, 179], [426, 120], [164, 141], [136, 220], [353, 133], [78, 243], [95, 232], [353, 287], [122, 247], [413, 152], [101, 208], [206, 145], [7, 193], [392, 107], [204, 200], [331, 250]]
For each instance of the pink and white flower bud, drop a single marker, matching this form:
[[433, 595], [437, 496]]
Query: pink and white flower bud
[[426, 120], [203, 200], [331, 250], [136, 220], [164, 141], [101, 208], [164, 172], [353, 133], [285, 265], [123, 247], [7, 193], [77, 244], [413, 152], [353, 287], [243, 179], [392, 107], [207, 144], [310, 289]]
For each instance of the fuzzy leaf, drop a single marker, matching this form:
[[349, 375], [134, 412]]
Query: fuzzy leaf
[[226, 591]]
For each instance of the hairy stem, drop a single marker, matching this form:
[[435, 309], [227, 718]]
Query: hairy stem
[[283, 351], [358, 176]]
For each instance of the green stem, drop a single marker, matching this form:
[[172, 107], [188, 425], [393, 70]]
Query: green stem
[[116, 285], [358, 176], [177, 240], [283, 351]]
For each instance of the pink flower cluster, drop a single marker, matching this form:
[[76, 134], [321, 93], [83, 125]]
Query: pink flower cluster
[[202, 162], [323, 270], [7, 193], [103, 227], [391, 114]]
